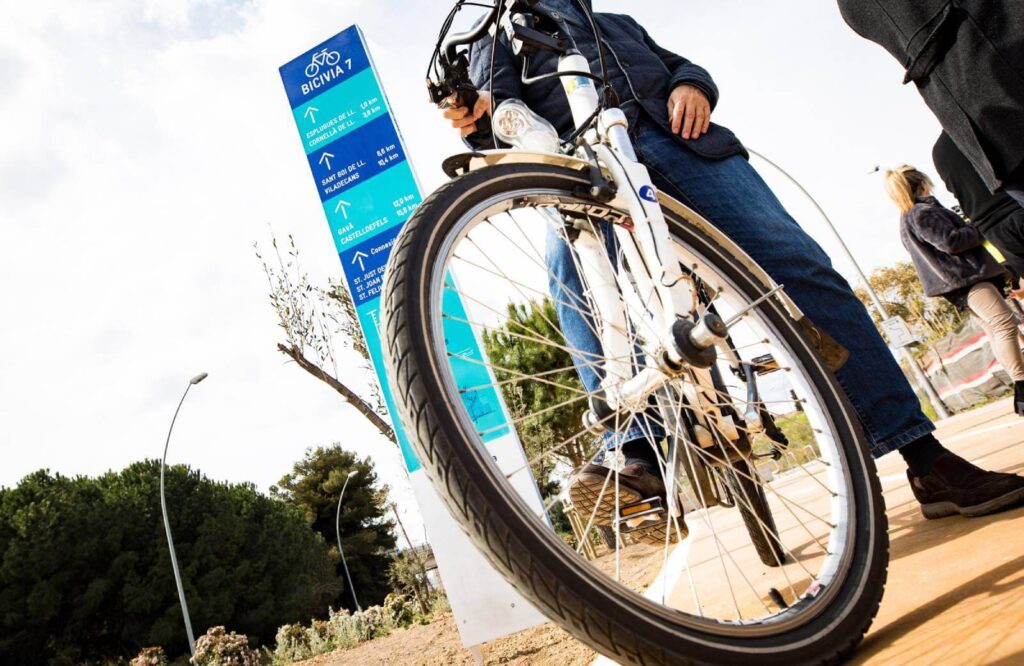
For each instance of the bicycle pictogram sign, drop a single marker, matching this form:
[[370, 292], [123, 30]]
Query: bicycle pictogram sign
[[320, 59]]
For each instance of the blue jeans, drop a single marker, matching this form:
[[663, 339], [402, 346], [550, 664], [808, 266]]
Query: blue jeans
[[733, 197]]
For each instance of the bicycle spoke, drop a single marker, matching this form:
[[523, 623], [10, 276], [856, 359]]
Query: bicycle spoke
[[503, 273], [723, 460]]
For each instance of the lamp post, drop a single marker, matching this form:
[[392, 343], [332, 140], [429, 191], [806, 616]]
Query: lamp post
[[337, 531], [167, 525], [915, 369]]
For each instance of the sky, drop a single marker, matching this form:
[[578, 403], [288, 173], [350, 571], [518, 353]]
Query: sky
[[146, 145]]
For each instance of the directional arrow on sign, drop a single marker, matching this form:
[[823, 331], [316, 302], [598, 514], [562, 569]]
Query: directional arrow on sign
[[326, 157], [309, 113], [359, 256], [343, 207]]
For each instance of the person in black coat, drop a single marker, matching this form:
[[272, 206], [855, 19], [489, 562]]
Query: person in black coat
[[997, 216], [952, 263], [967, 59]]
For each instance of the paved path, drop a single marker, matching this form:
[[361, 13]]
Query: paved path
[[955, 592], [956, 586]]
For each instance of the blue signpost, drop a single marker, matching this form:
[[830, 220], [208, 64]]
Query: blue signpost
[[368, 190]]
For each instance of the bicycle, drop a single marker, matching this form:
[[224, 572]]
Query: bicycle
[[693, 334], [324, 58]]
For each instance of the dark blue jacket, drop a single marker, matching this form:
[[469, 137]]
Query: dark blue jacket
[[947, 252], [641, 72]]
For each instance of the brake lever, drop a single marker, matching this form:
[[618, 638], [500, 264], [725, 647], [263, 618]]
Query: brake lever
[[457, 86]]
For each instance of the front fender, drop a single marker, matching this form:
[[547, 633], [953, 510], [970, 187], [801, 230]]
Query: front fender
[[456, 165], [463, 163]]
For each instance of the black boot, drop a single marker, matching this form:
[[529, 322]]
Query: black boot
[[955, 486], [1018, 398]]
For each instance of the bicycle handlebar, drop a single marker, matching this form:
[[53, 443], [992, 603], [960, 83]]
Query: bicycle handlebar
[[452, 42]]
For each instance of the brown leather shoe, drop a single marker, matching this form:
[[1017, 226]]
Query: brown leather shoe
[[955, 486], [635, 484]]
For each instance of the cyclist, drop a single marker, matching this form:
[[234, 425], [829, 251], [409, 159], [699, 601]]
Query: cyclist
[[669, 102]]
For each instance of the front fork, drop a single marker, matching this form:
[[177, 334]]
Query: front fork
[[663, 287], [661, 300], [652, 301], [647, 303]]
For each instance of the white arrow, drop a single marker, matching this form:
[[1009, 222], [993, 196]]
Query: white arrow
[[359, 256], [309, 113], [326, 157], [343, 207]]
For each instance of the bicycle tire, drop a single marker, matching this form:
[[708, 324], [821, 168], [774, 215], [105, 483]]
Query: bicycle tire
[[752, 504], [620, 626]]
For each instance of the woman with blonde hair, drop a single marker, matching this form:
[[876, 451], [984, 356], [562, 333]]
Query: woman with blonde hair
[[951, 262]]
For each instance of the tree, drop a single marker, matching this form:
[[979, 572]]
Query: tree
[[367, 535], [315, 318], [85, 572], [408, 577], [900, 291], [514, 352]]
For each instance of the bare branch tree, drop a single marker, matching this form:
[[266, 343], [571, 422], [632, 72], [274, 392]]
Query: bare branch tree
[[316, 321]]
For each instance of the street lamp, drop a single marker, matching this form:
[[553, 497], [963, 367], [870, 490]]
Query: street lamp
[[167, 525], [337, 531], [915, 369]]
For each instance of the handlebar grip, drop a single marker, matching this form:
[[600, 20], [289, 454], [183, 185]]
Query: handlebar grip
[[483, 125], [468, 96]]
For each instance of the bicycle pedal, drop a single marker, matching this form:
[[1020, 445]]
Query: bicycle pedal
[[638, 515]]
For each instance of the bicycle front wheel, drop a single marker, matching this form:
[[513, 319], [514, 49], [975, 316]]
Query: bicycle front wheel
[[474, 263]]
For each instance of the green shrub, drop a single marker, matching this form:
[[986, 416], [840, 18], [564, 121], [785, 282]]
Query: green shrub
[[342, 629], [440, 605], [291, 644], [85, 574], [399, 610]]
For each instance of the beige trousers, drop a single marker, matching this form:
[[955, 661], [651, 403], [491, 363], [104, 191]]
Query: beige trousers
[[990, 310]]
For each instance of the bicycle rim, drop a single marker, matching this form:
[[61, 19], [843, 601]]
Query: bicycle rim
[[712, 582]]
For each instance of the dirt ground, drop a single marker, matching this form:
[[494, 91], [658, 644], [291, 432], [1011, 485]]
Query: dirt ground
[[437, 644], [955, 593]]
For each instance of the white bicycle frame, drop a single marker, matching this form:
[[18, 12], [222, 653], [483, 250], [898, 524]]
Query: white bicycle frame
[[655, 297]]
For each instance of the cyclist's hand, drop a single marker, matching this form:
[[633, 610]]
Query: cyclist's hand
[[461, 117], [689, 111]]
